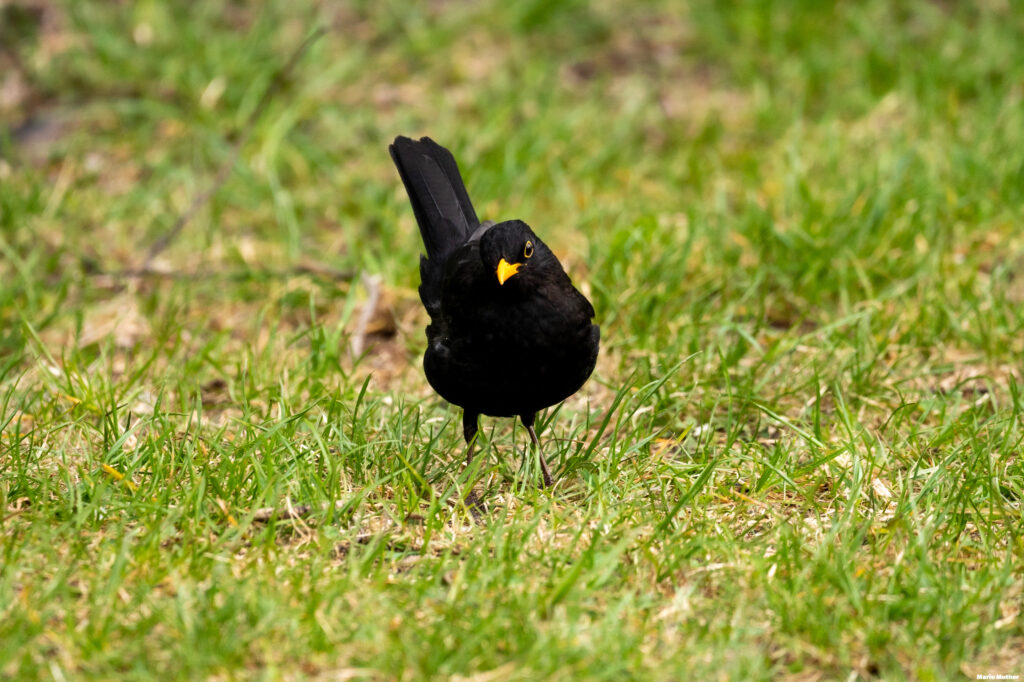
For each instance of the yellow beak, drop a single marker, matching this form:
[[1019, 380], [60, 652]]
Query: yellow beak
[[505, 270]]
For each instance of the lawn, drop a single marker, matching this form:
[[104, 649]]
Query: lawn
[[799, 458]]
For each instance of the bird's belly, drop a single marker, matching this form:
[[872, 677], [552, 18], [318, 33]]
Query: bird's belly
[[504, 375]]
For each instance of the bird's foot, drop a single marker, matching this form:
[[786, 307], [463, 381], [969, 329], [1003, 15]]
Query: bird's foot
[[475, 505]]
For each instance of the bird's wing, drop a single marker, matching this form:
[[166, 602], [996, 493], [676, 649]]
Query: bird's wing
[[479, 232]]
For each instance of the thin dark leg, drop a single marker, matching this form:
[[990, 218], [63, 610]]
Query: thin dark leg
[[528, 423], [470, 425]]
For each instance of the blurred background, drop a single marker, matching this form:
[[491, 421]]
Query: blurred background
[[685, 150]]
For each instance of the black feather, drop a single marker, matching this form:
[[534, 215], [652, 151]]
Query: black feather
[[439, 199], [440, 203], [509, 334]]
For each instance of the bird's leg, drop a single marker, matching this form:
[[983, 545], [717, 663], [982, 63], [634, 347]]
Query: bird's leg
[[528, 423], [548, 481], [470, 426]]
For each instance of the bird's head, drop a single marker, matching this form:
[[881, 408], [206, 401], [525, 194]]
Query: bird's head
[[515, 254]]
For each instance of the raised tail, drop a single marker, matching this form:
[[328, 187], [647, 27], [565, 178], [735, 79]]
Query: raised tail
[[441, 205]]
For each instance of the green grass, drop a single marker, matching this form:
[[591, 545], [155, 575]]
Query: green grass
[[800, 455]]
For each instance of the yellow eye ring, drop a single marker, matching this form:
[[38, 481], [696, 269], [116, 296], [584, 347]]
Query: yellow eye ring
[[528, 249]]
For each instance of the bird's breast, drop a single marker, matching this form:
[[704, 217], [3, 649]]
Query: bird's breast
[[512, 356]]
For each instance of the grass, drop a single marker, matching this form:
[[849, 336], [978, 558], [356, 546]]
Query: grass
[[799, 458]]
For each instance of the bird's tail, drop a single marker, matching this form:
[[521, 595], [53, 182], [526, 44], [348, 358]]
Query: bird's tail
[[441, 205]]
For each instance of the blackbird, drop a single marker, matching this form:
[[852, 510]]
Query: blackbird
[[509, 335]]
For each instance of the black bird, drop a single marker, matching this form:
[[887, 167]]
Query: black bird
[[509, 334]]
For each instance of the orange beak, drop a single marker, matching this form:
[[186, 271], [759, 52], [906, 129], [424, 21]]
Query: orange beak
[[506, 270]]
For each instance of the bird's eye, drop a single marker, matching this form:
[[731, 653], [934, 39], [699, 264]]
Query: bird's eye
[[528, 249]]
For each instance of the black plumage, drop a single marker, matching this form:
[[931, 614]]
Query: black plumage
[[509, 335]]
